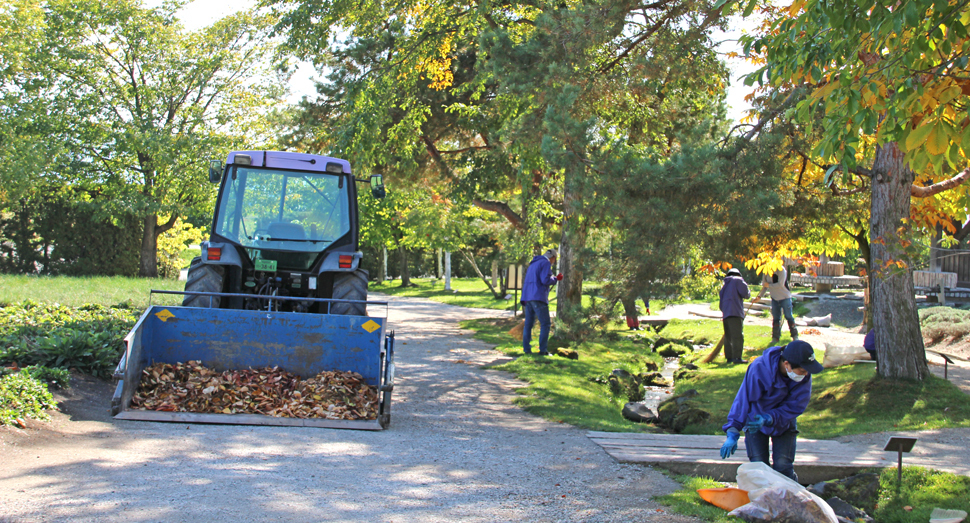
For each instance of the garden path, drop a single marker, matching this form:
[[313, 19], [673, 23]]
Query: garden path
[[457, 449]]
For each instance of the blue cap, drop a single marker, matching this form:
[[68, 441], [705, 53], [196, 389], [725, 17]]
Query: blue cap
[[800, 354]]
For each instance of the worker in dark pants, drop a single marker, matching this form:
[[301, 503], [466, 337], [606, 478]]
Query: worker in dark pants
[[535, 299], [775, 391], [733, 293], [777, 285]]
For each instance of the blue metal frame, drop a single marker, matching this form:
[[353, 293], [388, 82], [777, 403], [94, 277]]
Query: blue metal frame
[[227, 339]]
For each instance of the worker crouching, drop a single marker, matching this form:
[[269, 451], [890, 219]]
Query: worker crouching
[[775, 391]]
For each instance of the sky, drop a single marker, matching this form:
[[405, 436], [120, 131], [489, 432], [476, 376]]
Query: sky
[[201, 13]]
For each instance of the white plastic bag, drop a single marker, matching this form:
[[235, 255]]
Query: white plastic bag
[[838, 356], [778, 498], [785, 504], [757, 476]]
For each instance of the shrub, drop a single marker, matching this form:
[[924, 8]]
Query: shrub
[[700, 285], [88, 338], [172, 243], [23, 396], [944, 322]]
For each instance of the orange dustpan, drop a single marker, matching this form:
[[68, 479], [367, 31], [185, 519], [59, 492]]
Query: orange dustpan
[[726, 498]]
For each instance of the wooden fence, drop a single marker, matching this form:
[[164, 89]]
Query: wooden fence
[[957, 261]]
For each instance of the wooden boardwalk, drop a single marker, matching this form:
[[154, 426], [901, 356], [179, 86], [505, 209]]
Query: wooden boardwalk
[[815, 460]]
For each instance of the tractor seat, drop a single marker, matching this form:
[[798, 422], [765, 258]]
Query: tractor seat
[[287, 231]]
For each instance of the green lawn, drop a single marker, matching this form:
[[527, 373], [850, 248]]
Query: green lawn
[[922, 490], [465, 292], [564, 390], [76, 291], [845, 400]]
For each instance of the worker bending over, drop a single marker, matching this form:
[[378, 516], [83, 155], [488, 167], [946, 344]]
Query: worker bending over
[[775, 391]]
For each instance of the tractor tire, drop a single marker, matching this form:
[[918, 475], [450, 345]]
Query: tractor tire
[[203, 278], [350, 286]]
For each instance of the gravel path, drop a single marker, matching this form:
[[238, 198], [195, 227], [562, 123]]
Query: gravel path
[[457, 450]]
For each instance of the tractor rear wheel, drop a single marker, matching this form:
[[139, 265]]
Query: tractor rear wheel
[[203, 278], [350, 286]]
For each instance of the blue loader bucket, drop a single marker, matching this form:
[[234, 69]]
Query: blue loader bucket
[[227, 339]]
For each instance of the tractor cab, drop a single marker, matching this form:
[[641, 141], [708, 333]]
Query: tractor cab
[[285, 224]]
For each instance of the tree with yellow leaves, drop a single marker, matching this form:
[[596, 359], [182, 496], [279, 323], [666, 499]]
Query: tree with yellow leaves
[[895, 72]]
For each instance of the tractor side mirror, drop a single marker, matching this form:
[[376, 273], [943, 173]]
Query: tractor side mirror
[[215, 171], [377, 186]]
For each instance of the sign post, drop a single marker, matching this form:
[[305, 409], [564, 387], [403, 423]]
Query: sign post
[[900, 444], [516, 276]]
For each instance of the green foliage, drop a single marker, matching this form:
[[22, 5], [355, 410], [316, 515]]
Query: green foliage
[[121, 102], [23, 396], [922, 490], [67, 235], [700, 286], [172, 244], [688, 502], [87, 338], [60, 378], [944, 322]]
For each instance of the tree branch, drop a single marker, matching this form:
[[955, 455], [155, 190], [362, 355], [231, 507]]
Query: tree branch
[[922, 192], [500, 208]]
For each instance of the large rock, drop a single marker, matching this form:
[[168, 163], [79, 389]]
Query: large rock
[[677, 412], [673, 350], [690, 416], [639, 413], [847, 511], [567, 353], [653, 379], [861, 490]]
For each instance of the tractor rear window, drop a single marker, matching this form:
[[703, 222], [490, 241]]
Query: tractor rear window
[[284, 210]]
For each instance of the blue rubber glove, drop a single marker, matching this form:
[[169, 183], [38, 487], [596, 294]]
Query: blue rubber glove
[[730, 444], [757, 421]]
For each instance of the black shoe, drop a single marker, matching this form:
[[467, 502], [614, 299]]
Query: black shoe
[[738, 361], [543, 354]]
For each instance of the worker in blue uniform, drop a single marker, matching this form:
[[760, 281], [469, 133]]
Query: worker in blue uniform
[[535, 299], [775, 391]]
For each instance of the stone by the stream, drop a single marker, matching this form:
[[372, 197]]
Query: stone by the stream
[[847, 511], [567, 353], [639, 413], [861, 490], [677, 413], [673, 350]]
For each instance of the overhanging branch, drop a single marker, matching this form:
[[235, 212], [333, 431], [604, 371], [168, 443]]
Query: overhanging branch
[[500, 208], [923, 192]]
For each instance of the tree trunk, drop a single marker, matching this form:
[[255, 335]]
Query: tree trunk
[[440, 267], [569, 299], [471, 260], [382, 266], [405, 269], [899, 341], [148, 256], [447, 271]]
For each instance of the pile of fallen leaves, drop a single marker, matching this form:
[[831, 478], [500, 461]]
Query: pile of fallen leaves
[[190, 387], [809, 332]]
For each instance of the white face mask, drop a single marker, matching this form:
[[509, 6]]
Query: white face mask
[[795, 377]]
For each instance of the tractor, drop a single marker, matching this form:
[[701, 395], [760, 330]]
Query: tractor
[[285, 224]]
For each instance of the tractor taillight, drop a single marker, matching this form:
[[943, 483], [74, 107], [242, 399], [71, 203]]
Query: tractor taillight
[[346, 261], [214, 253]]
